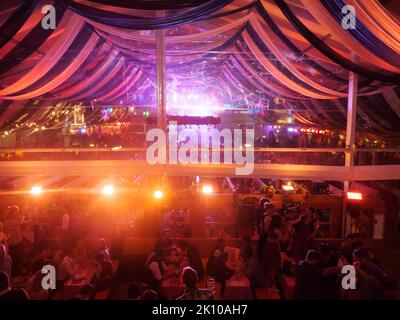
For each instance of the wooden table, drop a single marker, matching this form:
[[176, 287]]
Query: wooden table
[[83, 277], [172, 288], [237, 289]]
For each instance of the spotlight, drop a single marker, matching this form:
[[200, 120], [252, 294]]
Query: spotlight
[[287, 187], [354, 196], [158, 194], [36, 190], [108, 190], [207, 189]]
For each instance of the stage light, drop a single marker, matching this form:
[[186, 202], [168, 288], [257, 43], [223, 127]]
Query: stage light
[[108, 190], [158, 194], [354, 196], [36, 190], [207, 189], [287, 187]]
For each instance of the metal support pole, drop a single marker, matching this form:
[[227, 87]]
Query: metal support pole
[[350, 141], [161, 84], [351, 120]]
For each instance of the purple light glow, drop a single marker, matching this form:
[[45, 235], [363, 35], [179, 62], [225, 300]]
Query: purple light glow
[[192, 103]]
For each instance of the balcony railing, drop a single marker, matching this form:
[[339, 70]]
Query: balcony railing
[[299, 156]]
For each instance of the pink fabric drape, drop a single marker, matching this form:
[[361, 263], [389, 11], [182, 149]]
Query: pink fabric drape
[[281, 91], [101, 84], [323, 111], [362, 114], [33, 20], [302, 119], [14, 108], [169, 39], [282, 58], [131, 80], [250, 79], [51, 58], [270, 67], [147, 83], [184, 49], [328, 23], [393, 100], [65, 74], [89, 80], [378, 13], [390, 39]]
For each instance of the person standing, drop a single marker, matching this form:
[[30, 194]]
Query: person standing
[[12, 227], [190, 279]]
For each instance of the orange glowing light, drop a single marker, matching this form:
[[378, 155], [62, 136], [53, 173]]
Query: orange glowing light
[[354, 196], [36, 190], [108, 190], [158, 194], [207, 189], [287, 187]]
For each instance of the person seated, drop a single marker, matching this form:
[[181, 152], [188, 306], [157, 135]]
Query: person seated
[[219, 270], [304, 231], [55, 254], [156, 270], [190, 279], [329, 288], [272, 261], [13, 228], [216, 252], [103, 249], [372, 256], [35, 288], [5, 260], [104, 273], [87, 292], [68, 268], [134, 291], [149, 295], [9, 293], [373, 281], [309, 276], [253, 270], [194, 258], [345, 255]]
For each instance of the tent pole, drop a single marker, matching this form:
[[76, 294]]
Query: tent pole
[[350, 143], [161, 83]]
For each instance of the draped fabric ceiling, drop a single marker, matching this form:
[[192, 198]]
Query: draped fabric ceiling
[[244, 52]]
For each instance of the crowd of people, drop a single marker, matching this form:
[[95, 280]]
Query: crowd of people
[[31, 239], [286, 247], [282, 247]]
